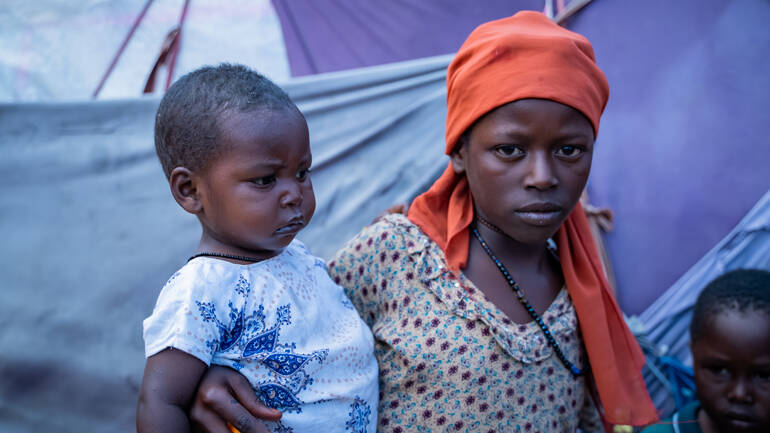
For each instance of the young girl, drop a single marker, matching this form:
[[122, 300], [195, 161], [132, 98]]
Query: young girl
[[236, 152], [479, 325]]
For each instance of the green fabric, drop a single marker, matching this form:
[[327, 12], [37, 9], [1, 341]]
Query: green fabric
[[687, 421]]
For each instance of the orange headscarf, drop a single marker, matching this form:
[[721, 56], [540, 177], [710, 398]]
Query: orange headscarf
[[529, 56]]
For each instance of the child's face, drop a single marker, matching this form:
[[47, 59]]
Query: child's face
[[731, 361], [257, 194], [527, 163]]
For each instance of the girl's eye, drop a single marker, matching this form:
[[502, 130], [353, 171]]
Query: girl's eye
[[570, 152], [764, 376], [509, 151], [303, 174], [264, 181]]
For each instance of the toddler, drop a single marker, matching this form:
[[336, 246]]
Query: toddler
[[236, 153], [730, 343]]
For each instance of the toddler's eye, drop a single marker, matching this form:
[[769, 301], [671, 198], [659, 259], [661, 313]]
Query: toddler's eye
[[264, 181], [508, 151], [570, 152], [303, 174]]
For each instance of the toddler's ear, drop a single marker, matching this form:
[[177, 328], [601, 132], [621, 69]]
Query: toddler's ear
[[184, 189]]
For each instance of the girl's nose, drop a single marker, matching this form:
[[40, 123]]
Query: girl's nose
[[540, 174]]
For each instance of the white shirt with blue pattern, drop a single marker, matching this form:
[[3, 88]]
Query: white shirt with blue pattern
[[286, 326]]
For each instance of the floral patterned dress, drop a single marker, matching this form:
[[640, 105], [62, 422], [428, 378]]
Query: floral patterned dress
[[449, 359]]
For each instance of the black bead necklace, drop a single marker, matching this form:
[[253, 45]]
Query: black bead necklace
[[226, 256], [525, 303], [488, 224]]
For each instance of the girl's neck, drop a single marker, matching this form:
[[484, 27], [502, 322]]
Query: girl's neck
[[510, 251]]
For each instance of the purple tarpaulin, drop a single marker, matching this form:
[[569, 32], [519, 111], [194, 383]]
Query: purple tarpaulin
[[324, 36], [684, 148]]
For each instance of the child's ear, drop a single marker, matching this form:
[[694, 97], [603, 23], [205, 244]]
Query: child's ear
[[184, 189], [459, 155]]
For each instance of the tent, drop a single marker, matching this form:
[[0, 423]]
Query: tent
[[92, 232], [666, 322]]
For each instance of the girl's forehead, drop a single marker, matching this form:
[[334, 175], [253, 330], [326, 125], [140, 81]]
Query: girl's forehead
[[526, 115]]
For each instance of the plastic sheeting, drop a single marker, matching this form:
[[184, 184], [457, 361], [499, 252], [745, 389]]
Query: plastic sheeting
[[53, 50], [91, 232], [683, 143], [684, 146], [667, 320], [332, 35]]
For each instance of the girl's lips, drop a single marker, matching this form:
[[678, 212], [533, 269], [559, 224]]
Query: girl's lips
[[540, 218]]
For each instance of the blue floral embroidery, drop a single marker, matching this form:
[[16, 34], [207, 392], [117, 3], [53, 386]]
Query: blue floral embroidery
[[173, 277], [261, 343], [359, 416], [243, 286], [251, 338], [264, 340], [227, 336], [285, 363], [280, 428], [346, 302], [276, 396], [321, 264]]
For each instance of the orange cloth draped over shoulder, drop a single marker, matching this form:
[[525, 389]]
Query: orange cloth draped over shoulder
[[529, 56]]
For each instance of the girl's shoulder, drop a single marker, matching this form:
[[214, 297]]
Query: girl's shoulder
[[391, 232], [391, 244]]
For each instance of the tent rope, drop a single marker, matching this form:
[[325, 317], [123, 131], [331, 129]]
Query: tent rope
[[168, 53], [128, 37]]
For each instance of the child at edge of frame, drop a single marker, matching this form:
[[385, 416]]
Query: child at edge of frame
[[730, 344], [236, 152]]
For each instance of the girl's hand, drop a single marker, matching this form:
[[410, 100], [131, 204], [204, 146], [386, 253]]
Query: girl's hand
[[225, 397], [168, 387], [401, 208]]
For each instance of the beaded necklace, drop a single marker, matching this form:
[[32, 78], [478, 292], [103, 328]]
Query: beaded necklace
[[488, 224], [226, 256], [525, 303]]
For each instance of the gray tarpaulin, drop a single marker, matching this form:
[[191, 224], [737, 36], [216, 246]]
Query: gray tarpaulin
[[667, 320], [54, 50], [91, 232]]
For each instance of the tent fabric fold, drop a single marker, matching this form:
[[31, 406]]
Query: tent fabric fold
[[92, 232], [667, 320]]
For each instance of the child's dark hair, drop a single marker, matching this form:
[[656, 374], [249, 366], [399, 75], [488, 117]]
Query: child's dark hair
[[742, 290], [187, 123]]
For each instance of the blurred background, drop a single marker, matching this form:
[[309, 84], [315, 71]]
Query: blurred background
[[90, 232]]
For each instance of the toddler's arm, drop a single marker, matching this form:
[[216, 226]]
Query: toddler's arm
[[168, 387]]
